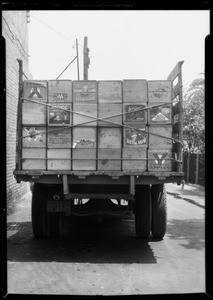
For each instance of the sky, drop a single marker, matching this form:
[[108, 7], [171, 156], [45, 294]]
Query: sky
[[134, 44]]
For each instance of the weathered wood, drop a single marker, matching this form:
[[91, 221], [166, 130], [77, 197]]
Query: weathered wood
[[85, 109], [33, 113], [156, 142], [19, 118], [33, 137], [177, 127], [84, 159], [134, 116], [110, 109], [110, 91], [84, 137], [33, 159], [59, 159], [177, 108], [159, 160], [160, 114], [135, 91], [109, 137], [176, 90], [85, 91], [59, 91], [134, 159], [135, 137], [175, 72], [109, 159], [59, 138], [35, 89], [159, 91]]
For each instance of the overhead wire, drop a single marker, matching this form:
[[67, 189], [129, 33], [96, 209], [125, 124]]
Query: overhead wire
[[56, 31]]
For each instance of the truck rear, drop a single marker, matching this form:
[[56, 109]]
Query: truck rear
[[100, 147]]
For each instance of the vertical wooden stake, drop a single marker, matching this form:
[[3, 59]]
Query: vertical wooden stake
[[188, 167], [132, 185], [77, 59], [197, 169]]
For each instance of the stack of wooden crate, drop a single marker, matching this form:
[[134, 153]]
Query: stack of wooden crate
[[34, 118], [59, 115], [109, 129], [85, 125], [135, 141], [160, 125]]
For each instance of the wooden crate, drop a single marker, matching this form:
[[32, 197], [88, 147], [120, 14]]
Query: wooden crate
[[59, 138], [160, 160], [33, 113], [84, 137], [160, 114], [110, 109], [134, 159], [110, 92], [135, 91], [136, 137], [109, 159], [85, 91], [35, 90], [59, 114], [33, 159], [33, 137], [109, 137], [59, 91], [59, 159], [85, 109], [159, 91], [132, 115], [157, 142], [84, 159]]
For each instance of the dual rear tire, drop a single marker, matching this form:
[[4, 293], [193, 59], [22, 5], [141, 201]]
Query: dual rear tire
[[44, 223], [151, 212]]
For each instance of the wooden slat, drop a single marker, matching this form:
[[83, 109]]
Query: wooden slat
[[174, 73], [134, 159], [135, 91], [177, 127], [110, 92], [177, 108], [176, 90]]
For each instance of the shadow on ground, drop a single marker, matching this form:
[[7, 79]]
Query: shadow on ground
[[84, 240], [190, 231]]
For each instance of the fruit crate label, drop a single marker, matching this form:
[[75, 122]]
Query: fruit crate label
[[59, 115]]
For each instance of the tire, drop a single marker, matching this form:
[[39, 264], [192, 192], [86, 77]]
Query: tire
[[159, 211], [54, 219], [38, 210], [54, 224], [143, 212]]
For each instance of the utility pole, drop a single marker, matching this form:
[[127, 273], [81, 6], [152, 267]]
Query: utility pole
[[77, 58], [86, 58]]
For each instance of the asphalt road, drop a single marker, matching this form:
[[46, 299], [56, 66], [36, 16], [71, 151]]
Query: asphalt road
[[106, 258]]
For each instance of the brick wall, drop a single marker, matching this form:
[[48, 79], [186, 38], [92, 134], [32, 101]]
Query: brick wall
[[15, 32]]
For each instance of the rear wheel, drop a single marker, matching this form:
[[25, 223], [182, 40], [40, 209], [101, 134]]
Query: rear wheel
[[38, 210], [143, 212], [54, 219], [159, 211]]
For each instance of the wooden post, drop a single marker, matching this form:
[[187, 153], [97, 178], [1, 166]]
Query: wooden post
[[188, 167], [86, 58], [197, 169], [77, 59], [19, 118]]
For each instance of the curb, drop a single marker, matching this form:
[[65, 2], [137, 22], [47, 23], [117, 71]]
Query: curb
[[186, 199]]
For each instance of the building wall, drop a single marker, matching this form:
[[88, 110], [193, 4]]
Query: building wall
[[15, 32]]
